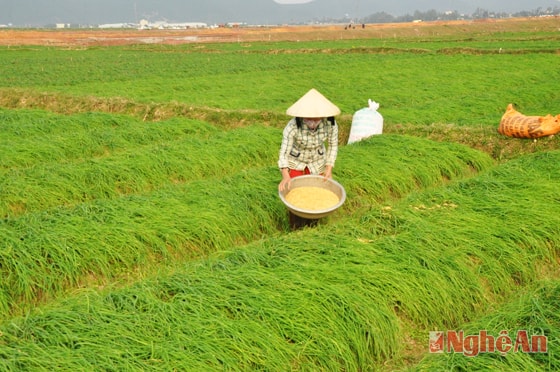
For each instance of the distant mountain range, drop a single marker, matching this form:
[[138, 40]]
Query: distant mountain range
[[41, 12]]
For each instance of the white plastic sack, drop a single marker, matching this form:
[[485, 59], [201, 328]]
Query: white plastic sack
[[366, 122]]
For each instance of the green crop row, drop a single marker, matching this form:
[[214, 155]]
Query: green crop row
[[458, 83], [76, 159], [52, 249], [30, 138], [337, 297]]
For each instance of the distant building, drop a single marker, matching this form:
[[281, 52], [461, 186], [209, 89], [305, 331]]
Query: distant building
[[117, 25], [163, 25], [235, 24]]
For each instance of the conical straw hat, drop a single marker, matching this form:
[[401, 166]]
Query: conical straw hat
[[313, 105]]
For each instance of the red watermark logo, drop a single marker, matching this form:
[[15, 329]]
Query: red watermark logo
[[472, 345]]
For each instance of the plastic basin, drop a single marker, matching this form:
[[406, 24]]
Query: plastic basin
[[314, 181]]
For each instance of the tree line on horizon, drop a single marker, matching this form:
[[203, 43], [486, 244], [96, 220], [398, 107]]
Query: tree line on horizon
[[434, 15]]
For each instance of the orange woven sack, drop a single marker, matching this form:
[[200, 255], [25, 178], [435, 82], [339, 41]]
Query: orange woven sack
[[515, 124]]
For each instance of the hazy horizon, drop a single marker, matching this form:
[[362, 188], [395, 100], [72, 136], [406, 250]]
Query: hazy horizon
[[43, 12]]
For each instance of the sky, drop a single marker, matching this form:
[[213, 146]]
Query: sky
[[94, 12], [292, 1]]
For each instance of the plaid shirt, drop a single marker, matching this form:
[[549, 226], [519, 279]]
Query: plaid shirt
[[302, 147]]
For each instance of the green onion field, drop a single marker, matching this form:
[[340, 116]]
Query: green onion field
[[141, 228]]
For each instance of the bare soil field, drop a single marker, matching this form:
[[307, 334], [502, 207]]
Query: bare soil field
[[108, 37]]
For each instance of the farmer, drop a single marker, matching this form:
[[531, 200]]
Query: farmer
[[303, 149]]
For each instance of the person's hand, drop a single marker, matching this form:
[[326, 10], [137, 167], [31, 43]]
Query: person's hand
[[328, 172], [284, 184], [286, 180]]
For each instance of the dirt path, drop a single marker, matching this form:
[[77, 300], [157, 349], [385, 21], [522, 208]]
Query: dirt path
[[106, 37]]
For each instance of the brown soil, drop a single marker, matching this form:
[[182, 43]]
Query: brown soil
[[108, 37]]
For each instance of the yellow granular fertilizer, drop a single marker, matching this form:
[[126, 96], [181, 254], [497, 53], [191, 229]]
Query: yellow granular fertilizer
[[311, 198]]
